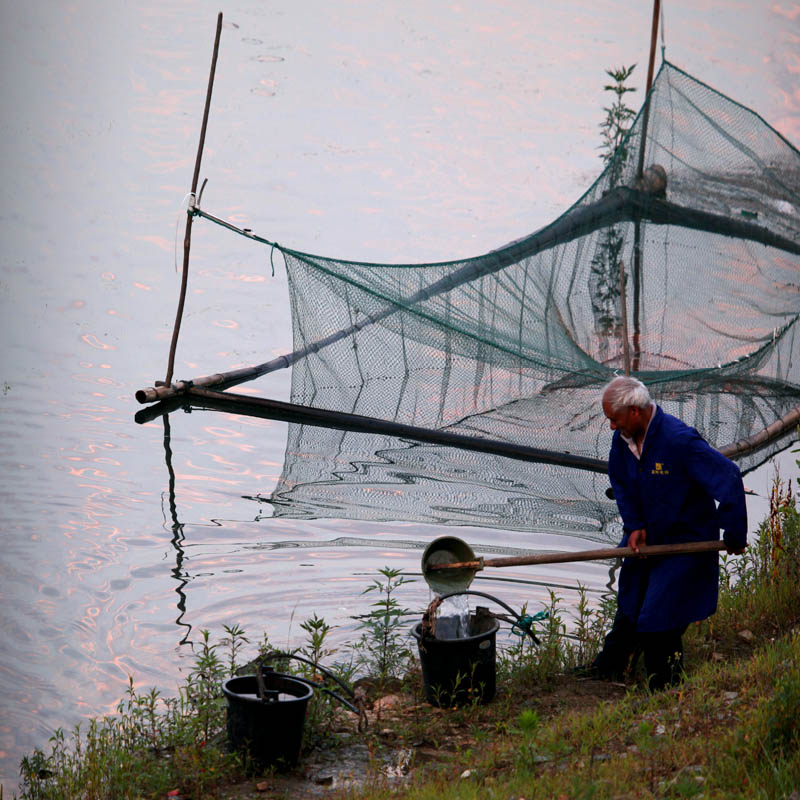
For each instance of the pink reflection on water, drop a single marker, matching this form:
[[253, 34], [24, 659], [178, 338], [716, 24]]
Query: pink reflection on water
[[93, 341], [88, 471], [97, 379], [159, 241], [791, 13], [185, 476], [167, 102], [244, 277], [223, 433]]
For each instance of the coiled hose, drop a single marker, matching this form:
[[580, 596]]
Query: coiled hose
[[358, 708], [523, 622]]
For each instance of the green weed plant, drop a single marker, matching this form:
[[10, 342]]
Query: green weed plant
[[382, 650]]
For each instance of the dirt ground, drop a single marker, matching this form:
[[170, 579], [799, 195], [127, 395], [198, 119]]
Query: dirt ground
[[404, 737]]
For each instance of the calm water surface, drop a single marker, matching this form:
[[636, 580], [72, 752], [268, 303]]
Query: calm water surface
[[382, 132]]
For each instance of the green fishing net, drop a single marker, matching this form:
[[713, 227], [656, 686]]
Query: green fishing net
[[680, 263]]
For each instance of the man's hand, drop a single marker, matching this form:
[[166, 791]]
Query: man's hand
[[735, 551], [636, 540]]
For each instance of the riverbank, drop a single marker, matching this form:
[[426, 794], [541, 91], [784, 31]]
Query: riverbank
[[729, 730]]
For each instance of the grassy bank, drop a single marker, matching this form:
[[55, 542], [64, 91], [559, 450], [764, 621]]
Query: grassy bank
[[730, 730]]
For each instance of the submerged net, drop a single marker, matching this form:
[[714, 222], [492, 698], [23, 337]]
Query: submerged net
[[515, 345]]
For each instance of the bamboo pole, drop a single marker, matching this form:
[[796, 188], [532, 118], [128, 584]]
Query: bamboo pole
[[320, 417], [218, 379], [187, 239], [637, 244], [637, 294], [583, 555], [290, 412], [626, 349], [650, 66], [764, 436]]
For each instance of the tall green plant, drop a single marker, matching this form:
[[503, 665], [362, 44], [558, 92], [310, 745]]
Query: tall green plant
[[316, 648], [616, 148], [203, 688], [381, 649]]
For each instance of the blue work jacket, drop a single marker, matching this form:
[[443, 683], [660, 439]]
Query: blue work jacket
[[670, 492]]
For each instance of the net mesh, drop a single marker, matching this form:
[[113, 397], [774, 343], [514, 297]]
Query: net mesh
[[516, 344]]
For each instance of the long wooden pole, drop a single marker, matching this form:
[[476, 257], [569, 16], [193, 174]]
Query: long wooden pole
[[637, 292], [187, 239], [583, 555], [637, 242], [272, 409], [650, 68], [320, 417], [626, 349]]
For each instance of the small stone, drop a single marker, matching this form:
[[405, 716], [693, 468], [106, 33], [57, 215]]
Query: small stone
[[466, 773], [730, 696], [746, 636], [387, 702]]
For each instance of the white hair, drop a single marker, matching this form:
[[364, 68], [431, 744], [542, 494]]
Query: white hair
[[624, 391]]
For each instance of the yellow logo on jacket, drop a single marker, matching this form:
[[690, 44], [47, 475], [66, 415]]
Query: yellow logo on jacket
[[659, 469]]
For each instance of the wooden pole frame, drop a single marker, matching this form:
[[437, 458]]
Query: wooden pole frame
[[229, 402], [637, 240], [626, 348], [650, 66], [324, 418], [187, 239]]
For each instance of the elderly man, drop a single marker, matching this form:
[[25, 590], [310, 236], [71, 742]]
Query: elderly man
[[666, 479]]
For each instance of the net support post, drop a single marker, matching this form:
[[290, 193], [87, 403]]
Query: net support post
[[187, 239]]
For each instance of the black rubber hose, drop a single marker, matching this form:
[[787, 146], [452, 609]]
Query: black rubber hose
[[314, 684], [500, 603], [346, 703], [276, 654]]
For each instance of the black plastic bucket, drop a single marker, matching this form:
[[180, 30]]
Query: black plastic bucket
[[270, 732], [459, 671]]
